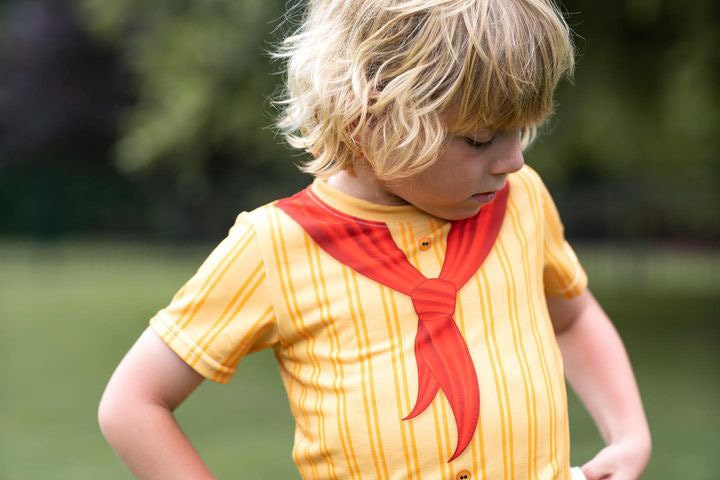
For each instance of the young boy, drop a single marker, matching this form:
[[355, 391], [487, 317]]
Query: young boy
[[420, 296]]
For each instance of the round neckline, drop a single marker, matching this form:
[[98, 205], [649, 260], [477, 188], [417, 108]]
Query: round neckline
[[365, 209]]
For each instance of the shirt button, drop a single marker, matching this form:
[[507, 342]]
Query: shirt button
[[463, 475], [425, 243]]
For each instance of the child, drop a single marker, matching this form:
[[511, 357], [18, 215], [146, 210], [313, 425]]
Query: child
[[420, 296]]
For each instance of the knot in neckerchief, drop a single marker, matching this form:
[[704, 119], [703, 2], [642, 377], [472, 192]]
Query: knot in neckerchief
[[442, 356], [434, 297]]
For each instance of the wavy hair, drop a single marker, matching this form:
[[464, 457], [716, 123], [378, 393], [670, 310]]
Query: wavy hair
[[371, 78]]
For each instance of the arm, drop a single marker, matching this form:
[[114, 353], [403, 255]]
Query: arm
[[598, 369], [135, 412]]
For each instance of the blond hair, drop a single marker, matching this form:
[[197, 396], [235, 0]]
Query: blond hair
[[371, 78]]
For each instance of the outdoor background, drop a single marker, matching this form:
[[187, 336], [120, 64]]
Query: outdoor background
[[132, 132]]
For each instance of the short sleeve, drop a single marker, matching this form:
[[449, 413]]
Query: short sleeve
[[563, 275], [224, 311]]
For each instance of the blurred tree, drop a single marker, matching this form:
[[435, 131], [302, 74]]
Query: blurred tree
[[635, 136], [635, 131], [632, 150], [203, 82], [60, 96], [59, 91]]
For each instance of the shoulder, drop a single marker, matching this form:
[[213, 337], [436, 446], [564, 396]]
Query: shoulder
[[248, 226], [257, 217], [272, 227]]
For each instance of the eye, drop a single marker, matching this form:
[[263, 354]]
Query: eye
[[478, 145]]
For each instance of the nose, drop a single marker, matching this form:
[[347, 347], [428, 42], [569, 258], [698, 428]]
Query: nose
[[510, 159], [515, 161]]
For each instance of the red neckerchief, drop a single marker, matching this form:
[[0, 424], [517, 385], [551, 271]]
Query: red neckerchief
[[443, 359]]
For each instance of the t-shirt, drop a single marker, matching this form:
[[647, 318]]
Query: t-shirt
[[345, 343]]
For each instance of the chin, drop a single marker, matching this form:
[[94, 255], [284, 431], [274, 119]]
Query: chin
[[459, 213]]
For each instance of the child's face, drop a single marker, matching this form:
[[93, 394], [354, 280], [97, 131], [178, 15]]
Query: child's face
[[470, 165]]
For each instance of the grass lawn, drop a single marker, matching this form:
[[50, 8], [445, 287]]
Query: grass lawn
[[69, 311]]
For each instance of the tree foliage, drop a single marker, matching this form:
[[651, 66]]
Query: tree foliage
[[202, 78], [631, 152]]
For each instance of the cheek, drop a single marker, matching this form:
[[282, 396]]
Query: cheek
[[462, 163], [448, 185], [454, 176]]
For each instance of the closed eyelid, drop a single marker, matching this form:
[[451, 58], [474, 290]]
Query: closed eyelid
[[478, 143], [481, 139]]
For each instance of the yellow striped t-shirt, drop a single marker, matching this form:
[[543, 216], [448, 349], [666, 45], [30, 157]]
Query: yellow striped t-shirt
[[344, 343]]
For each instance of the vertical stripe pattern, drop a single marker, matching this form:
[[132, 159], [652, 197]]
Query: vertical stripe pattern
[[345, 343]]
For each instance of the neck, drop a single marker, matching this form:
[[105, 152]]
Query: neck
[[363, 184]]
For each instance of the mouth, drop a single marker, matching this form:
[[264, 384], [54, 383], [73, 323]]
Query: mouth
[[484, 197]]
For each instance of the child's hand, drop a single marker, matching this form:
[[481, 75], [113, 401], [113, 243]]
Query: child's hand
[[618, 461]]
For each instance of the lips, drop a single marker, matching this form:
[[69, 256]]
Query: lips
[[484, 197]]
